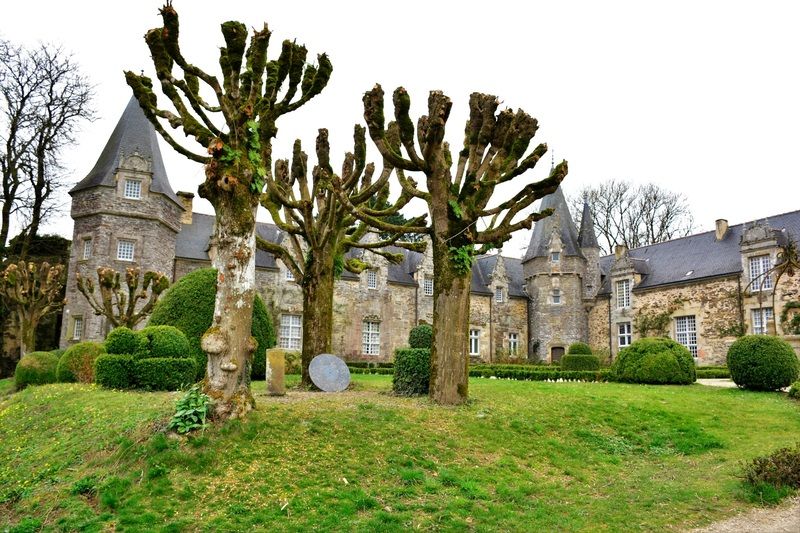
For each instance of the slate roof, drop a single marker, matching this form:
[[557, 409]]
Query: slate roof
[[543, 229], [586, 236], [133, 133], [482, 272], [696, 256]]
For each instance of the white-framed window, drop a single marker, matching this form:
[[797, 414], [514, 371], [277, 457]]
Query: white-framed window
[[372, 279], [125, 250], [133, 189], [686, 332], [759, 265], [624, 334], [291, 332], [498, 295], [513, 343], [555, 257], [371, 338], [289, 275], [427, 287], [556, 295], [761, 319], [474, 342], [77, 328], [87, 249], [623, 293]]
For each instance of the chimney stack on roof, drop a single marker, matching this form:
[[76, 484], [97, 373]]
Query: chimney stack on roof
[[620, 251], [186, 202], [722, 228]]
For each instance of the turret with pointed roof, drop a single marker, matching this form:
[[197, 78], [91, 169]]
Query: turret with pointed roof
[[126, 214], [558, 224]]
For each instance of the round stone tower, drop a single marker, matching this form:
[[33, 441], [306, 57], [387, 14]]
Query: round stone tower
[[126, 215], [561, 272]]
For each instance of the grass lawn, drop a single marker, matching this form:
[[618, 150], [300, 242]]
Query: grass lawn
[[522, 456]]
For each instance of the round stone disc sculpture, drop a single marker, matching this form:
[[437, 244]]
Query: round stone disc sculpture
[[329, 373]]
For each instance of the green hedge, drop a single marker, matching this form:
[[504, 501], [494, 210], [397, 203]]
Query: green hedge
[[412, 371], [114, 371], [189, 306], [531, 368], [162, 342], [794, 390], [123, 341], [369, 364], [164, 373], [421, 336], [77, 363], [521, 374], [371, 370], [579, 348], [655, 360], [713, 373], [762, 362], [36, 368], [580, 362]]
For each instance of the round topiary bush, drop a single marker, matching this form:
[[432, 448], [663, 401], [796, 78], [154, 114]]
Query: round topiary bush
[[123, 341], [412, 371], [189, 306], [794, 390], [421, 336], [655, 360], [580, 362], [581, 348], [762, 362], [114, 371], [77, 363], [162, 341], [36, 368]]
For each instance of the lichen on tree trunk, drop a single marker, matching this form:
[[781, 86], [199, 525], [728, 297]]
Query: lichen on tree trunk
[[317, 310], [228, 341], [449, 352]]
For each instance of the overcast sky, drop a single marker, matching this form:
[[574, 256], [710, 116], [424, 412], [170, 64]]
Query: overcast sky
[[700, 97]]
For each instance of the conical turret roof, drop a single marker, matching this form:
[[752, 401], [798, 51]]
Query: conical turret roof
[[587, 238], [543, 229], [133, 134]]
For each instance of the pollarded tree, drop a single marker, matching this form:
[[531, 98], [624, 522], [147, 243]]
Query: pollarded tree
[[32, 292], [118, 305], [458, 198], [252, 95], [320, 228]]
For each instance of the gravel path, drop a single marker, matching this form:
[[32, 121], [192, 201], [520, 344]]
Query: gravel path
[[782, 519]]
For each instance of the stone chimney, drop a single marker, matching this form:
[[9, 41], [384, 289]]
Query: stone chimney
[[722, 228], [186, 202], [620, 251]]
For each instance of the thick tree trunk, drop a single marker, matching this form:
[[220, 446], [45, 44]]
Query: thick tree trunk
[[449, 352], [27, 333], [228, 341], [317, 311]]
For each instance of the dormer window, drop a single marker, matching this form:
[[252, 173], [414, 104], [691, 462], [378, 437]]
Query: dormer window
[[759, 277], [623, 293], [498, 295], [555, 257], [133, 189], [372, 279], [427, 287]]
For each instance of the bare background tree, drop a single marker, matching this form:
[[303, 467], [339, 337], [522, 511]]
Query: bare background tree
[[44, 100], [634, 215]]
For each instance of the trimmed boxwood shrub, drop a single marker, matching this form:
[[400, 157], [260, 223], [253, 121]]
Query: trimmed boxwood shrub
[[189, 306], [713, 373], [579, 348], [162, 341], [421, 336], [520, 373], [656, 360], [114, 371], [794, 390], [412, 371], [371, 370], [762, 362], [164, 373], [77, 363], [123, 341], [580, 361], [36, 368]]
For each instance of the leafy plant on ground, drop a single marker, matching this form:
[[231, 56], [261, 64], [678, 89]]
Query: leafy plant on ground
[[191, 411], [772, 476]]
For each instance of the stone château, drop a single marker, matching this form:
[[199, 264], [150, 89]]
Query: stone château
[[701, 290]]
